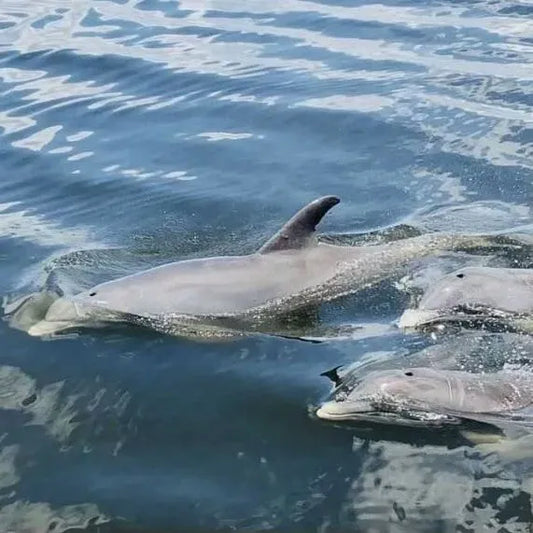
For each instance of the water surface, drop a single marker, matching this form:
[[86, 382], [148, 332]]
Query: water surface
[[156, 130]]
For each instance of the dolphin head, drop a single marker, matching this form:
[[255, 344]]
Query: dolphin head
[[413, 394], [78, 308], [68, 312], [467, 286], [472, 293]]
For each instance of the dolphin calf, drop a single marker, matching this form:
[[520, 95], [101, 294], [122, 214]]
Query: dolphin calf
[[291, 271], [422, 395], [476, 294]]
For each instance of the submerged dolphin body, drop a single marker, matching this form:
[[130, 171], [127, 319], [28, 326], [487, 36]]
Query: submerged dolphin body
[[291, 271], [475, 294], [427, 396]]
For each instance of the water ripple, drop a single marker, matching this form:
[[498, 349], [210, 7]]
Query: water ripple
[[197, 127]]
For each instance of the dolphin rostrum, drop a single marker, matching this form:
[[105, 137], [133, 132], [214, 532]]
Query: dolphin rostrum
[[291, 271], [476, 294]]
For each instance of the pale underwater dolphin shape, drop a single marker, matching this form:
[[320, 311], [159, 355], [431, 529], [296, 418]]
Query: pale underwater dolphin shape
[[289, 272], [477, 294], [426, 396]]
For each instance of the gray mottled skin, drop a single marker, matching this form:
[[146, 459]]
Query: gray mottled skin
[[290, 271], [451, 393], [500, 289]]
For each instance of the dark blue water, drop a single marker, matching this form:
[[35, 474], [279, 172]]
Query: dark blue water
[[169, 129]]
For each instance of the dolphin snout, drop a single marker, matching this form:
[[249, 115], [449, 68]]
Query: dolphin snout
[[61, 314], [333, 410], [413, 318]]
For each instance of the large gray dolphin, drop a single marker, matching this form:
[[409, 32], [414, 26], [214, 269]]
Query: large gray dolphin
[[290, 271], [476, 294], [431, 396]]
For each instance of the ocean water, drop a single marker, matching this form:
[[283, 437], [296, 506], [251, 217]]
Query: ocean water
[[136, 132]]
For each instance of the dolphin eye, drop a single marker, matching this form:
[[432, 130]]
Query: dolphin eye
[[409, 374], [460, 276], [92, 294]]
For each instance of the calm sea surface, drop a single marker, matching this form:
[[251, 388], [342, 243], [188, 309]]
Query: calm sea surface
[[144, 131]]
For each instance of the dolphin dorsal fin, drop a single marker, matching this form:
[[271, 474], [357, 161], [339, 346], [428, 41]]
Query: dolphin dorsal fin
[[298, 231], [333, 375]]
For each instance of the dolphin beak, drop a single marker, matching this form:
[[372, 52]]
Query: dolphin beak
[[413, 318], [62, 314], [333, 410], [44, 327], [325, 412]]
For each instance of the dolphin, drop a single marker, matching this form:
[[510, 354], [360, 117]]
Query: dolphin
[[476, 295], [209, 296], [430, 396]]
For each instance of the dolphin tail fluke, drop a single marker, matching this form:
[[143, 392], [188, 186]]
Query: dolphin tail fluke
[[298, 231]]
